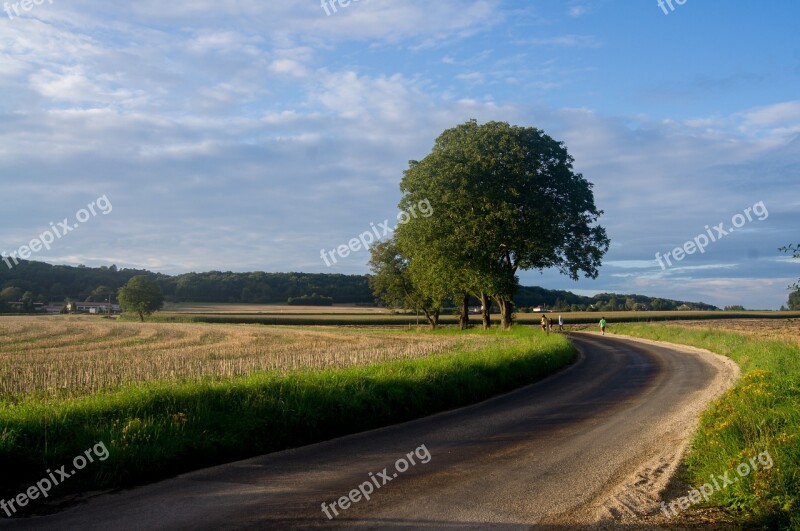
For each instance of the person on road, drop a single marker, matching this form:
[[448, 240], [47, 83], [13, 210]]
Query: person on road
[[544, 325], [603, 325], [549, 325], [560, 323]]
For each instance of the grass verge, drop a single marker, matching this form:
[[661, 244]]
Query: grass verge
[[760, 414], [157, 430]]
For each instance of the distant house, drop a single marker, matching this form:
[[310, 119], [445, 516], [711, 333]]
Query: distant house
[[540, 309], [53, 309], [93, 307]]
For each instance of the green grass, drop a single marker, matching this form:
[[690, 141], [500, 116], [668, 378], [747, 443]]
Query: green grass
[[760, 414], [156, 430]]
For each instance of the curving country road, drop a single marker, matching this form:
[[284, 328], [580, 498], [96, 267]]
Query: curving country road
[[597, 440]]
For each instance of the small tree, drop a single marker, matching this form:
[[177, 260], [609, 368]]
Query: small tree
[[27, 302], [11, 294], [141, 295], [394, 284], [99, 294], [794, 297], [794, 300]]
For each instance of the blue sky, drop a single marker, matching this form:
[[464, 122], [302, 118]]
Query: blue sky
[[249, 135]]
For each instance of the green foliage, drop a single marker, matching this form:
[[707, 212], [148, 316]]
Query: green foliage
[[141, 295], [760, 414], [794, 300], [100, 294], [10, 294], [794, 249], [56, 283], [157, 430], [504, 198]]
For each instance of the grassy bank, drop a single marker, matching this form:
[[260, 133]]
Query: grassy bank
[[760, 414], [158, 429]]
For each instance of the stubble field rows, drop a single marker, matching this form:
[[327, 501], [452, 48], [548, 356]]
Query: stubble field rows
[[74, 356]]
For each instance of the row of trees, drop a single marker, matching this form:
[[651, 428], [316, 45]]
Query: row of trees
[[49, 283], [564, 301], [504, 199]]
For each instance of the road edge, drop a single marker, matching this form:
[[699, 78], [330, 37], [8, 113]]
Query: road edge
[[636, 500]]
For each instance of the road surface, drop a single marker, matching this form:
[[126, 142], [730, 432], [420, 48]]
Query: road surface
[[596, 440]]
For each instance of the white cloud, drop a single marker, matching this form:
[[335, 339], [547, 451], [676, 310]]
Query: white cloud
[[578, 11], [250, 134]]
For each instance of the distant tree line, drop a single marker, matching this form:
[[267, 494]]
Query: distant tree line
[[529, 298], [55, 283], [32, 282]]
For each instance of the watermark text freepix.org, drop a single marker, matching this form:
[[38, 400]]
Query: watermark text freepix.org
[[701, 241], [365, 239], [376, 481], [26, 5], [664, 3], [332, 4], [43, 486], [717, 483], [57, 231]]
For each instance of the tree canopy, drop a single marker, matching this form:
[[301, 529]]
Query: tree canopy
[[504, 199], [141, 295]]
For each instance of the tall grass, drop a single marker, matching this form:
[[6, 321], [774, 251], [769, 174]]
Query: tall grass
[[760, 414], [156, 429]]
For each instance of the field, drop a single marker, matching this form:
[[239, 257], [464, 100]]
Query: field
[[171, 397], [77, 355], [244, 309], [366, 316], [177, 394], [787, 330]]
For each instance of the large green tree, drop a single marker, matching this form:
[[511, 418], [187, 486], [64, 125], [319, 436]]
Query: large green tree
[[504, 199], [141, 295]]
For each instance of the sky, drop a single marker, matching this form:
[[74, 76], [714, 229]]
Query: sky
[[249, 135]]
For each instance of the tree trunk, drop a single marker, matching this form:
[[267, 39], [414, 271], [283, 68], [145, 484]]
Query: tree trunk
[[506, 312], [463, 318], [432, 317], [486, 308]]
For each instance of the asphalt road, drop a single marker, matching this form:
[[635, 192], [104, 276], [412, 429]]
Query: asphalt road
[[551, 453]]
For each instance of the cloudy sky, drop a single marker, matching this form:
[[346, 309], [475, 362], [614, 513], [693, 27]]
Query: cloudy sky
[[248, 135]]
